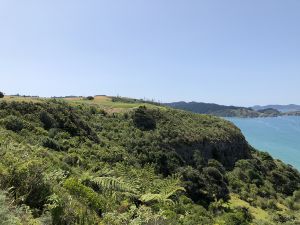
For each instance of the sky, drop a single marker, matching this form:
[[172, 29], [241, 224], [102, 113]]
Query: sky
[[229, 52]]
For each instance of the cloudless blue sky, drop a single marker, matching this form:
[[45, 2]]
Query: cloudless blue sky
[[229, 52]]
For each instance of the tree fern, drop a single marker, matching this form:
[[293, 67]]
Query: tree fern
[[115, 186], [166, 190], [161, 191]]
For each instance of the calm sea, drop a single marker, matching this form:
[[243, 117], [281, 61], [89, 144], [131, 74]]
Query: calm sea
[[280, 136]]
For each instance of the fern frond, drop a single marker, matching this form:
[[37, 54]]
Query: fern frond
[[112, 185], [165, 191], [151, 197]]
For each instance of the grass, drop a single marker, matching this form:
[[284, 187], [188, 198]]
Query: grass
[[22, 99], [258, 213], [104, 102]]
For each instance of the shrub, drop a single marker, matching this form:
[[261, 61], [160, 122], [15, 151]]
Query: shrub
[[85, 194], [90, 98], [143, 119], [196, 214], [73, 159], [293, 202], [14, 123], [240, 216], [27, 184], [195, 185], [51, 143], [53, 132], [47, 120], [215, 183], [1, 95], [213, 173], [6, 216]]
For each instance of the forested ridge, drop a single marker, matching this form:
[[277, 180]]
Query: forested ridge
[[233, 111], [77, 162]]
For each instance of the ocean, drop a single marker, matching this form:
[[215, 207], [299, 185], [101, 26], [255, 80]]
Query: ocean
[[279, 136]]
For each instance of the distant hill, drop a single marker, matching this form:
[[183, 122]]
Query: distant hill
[[237, 111], [294, 113], [281, 108], [270, 112], [222, 110], [201, 107]]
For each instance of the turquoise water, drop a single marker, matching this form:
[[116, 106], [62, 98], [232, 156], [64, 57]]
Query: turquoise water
[[280, 136]]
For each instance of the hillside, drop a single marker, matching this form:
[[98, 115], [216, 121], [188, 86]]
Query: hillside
[[281, 108], [215, 109], [295, 113], [119, 161], [232, 111], [270, 112], [200, 107]]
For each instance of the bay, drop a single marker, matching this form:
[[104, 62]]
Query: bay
[[279, 136]]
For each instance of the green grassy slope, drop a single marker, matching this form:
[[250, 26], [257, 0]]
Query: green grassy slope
[[115, 161]]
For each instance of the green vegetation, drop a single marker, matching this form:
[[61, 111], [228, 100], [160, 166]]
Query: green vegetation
[[105, 161], [1, 95], [131, 100]]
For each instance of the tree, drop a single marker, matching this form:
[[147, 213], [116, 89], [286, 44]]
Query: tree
[[143, 119], [51, 143], [48, 120], [90, 98], [1, 94]]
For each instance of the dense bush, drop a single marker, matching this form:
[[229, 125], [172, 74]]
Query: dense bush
[[143, 119], [27, 184], [194, 184], [48, 120], [1, 95], [51, 143], [186, 169], [14, 123], [85, 194], [216, 183], [239, 216]]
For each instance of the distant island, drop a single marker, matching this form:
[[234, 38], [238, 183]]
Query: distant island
[[237, 111]]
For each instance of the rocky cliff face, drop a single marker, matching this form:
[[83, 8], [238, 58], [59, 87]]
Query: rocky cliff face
[[197, 138], [226, 152]]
